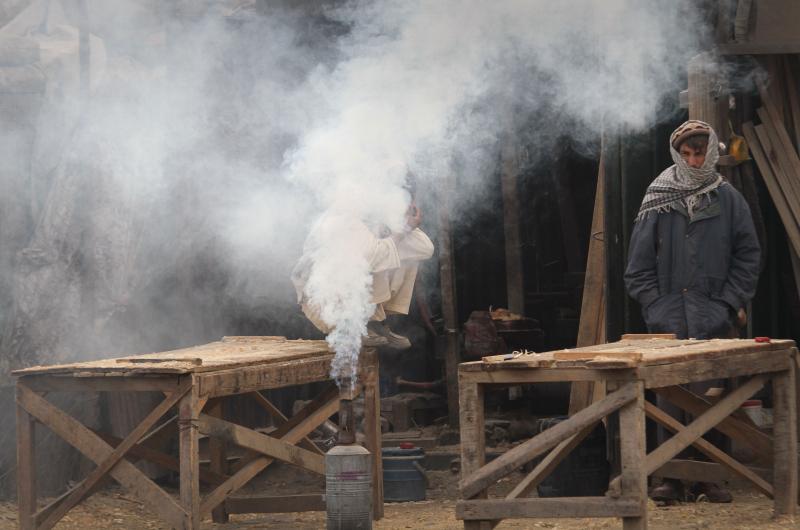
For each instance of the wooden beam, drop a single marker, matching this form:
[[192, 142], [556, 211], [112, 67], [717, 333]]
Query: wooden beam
[[697, 471], [592, 325], [66, 383], [782, 156], [707, 102], [279, 419], [372, 426], [537, 375], [473, 435], [784, 428], [708, 449], [515, 282], [549, 463], [162, 459], [773, 186], [217, 451], [266, 445], [189, 449], [773, 119], [745, 48], [489, 509], [291, 432], [633, 479], [658, 376], [793, 96], [447, 280], [702, 424], [264, 377], [312, 502], [26, 468], [481, 479], [325, 401], [329, 393], [732, 427], [88, 443], [78, 494], [614, 232]]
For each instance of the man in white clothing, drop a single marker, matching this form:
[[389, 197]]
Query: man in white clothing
[[393, 262]]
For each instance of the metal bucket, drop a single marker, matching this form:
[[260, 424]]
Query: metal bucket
[[348, 488], [404, 478]]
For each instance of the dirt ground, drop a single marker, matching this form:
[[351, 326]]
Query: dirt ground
[[115, 509]]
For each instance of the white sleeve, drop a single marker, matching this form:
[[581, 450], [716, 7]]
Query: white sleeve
[[415, 246]]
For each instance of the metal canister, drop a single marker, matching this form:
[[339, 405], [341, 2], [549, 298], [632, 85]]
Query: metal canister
[[348, 488], [404, 478]]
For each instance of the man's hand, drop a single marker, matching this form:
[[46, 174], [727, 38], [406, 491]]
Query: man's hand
[[741, 318], [413, 217]]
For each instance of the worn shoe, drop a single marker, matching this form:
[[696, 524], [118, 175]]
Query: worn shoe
[[670, 491], [710, 492], [393, 340], [373, 340]]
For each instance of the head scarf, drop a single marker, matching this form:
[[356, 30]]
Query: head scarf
[[680, 184]]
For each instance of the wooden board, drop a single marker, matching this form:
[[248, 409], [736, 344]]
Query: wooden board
[[228, 353], [645, 352]]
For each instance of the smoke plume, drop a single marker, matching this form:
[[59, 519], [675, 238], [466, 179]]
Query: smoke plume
[[217, 133]]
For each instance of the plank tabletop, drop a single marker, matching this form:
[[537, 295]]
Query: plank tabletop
[[228, 353], [631, 353]]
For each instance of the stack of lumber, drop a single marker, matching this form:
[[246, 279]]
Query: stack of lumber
[[774, 145]]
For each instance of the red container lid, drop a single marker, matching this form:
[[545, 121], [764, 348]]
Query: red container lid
[[752, 403], [762, 339], [406, 445]]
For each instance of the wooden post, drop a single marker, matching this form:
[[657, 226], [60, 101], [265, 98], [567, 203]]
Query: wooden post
[[372, 427], [218, 461], [785, 440], [615, 295], [447, 278], [592, 326], [473, 438], [708, 97], [26, 469], [189, 457], [515, 284], [633, 479]]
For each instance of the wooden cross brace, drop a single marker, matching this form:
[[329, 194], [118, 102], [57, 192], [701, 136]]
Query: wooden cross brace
[[279, 445], [692, 434], [484, 477], [109, 460], [109, 452]]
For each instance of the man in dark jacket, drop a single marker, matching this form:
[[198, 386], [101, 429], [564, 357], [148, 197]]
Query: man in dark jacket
[[693, 260]]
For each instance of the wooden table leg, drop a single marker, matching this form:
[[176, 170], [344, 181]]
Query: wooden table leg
[[785, 440], [372, 428], [633, 478], [218, 463], [26, 469], [473, 437], [189, 456]]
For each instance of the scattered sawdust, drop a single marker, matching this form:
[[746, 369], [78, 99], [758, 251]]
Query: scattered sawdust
[[115, 509]]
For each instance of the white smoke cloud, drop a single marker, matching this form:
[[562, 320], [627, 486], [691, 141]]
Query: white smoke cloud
[[422, 84], [217, 132]]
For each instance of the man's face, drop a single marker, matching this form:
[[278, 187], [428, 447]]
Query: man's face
[[693, 157]]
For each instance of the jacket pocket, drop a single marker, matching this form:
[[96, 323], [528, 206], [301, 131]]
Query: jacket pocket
[[662, 315], [719, 320]]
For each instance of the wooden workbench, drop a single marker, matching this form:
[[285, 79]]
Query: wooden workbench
[[195, 381], [621, 372]]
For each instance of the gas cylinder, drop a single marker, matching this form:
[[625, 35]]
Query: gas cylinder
[[348, 488]]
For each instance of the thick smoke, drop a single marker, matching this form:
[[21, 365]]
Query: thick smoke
[[423, 84], [217, 133]]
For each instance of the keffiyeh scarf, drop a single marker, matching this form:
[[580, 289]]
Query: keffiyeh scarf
[[681, 184]]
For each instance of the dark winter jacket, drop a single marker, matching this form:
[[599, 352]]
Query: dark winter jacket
[[691, 277]]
